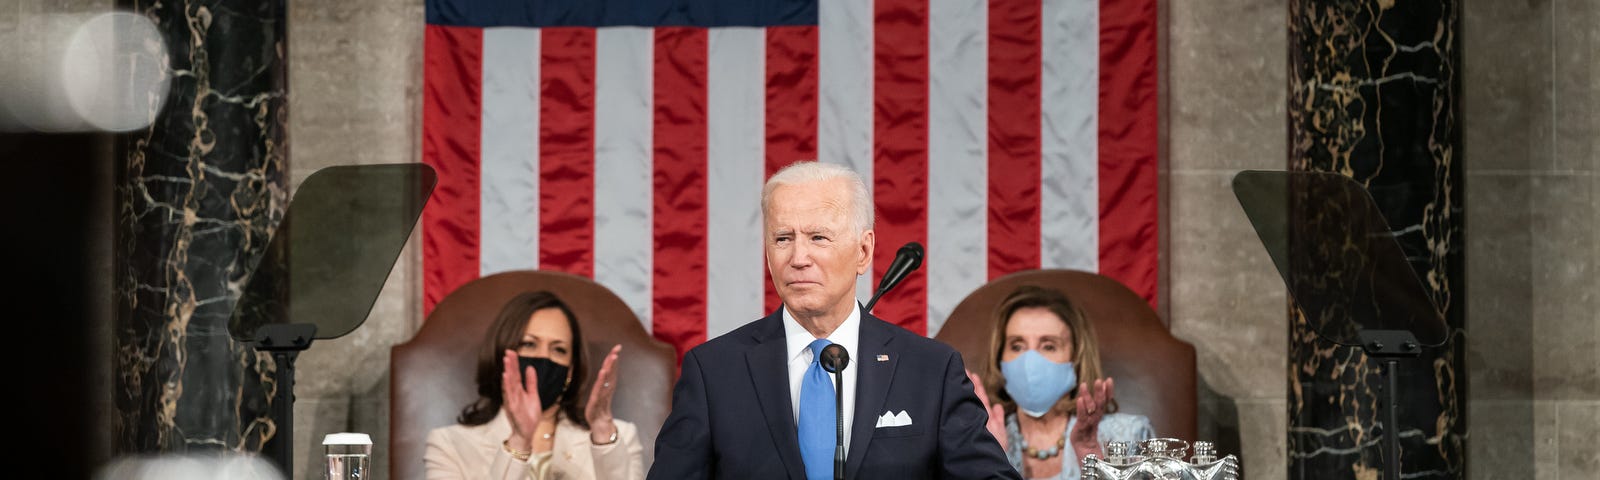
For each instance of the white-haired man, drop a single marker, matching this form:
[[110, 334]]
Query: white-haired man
[[755, 403]]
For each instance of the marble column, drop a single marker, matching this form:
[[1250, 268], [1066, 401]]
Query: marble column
[[198, 194], [1373, 96]]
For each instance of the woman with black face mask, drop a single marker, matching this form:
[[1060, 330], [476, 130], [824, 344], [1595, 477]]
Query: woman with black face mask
[[528, 421]]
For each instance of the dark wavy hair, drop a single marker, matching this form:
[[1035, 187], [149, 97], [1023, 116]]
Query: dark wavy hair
[[1085, 345], [506, 334]]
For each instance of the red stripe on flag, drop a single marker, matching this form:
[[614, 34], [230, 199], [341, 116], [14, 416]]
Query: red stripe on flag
[[679, 215], [451, 108], [900, 157], [1014, 132], [1128, 145], [791, 105], [566, 150]]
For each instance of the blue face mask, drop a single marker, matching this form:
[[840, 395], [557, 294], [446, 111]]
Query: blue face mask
[[1036, 383]]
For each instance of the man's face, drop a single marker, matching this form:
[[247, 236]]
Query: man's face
[[813, 252]]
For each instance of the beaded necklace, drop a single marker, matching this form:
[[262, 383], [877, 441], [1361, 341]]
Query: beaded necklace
[[1042, 453]]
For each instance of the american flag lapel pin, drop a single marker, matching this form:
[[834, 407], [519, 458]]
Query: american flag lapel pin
[[883, 358]]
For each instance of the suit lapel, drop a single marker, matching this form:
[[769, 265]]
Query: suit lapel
[[772, 391], [872, 387]]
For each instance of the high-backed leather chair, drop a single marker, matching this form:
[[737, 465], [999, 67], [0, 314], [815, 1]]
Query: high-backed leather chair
[[1154, 371], [433, 375]]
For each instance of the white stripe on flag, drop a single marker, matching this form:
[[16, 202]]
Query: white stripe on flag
[[509, 229], [844, 97], [1069, 167], [624, 73], [736, 137], [958, 86]]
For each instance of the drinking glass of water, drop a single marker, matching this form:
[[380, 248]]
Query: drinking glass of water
[[349, 456]]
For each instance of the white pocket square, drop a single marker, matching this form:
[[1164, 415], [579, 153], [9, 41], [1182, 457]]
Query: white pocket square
[[891, 419]]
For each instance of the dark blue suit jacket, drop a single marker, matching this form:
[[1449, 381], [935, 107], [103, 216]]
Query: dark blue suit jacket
[[731, 414]]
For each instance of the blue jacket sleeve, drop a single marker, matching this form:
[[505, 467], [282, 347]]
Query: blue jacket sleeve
[[683, 447], [966, 448]]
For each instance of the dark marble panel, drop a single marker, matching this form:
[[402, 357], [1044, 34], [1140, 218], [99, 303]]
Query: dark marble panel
[[198, 194], [1373, 97]]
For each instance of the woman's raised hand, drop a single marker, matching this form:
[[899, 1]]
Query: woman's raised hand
[[598, 412], [1091, 405], [521, 402]]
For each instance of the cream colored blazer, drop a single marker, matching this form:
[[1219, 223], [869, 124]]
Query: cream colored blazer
[[461, 452]]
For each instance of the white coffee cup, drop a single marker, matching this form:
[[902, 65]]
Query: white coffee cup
[[349, 456]]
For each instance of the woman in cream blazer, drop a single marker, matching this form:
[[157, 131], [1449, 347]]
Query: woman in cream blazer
[[527, 422]]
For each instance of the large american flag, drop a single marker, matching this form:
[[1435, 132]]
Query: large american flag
[[627, 141]]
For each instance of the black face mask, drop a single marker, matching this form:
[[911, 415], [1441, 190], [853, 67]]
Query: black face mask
[[552, 378]]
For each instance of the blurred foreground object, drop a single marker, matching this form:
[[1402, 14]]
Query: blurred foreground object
[[82, 72], [232, 467]]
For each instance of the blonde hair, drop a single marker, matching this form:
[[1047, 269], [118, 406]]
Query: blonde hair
[[807, 171], [1085, 346]]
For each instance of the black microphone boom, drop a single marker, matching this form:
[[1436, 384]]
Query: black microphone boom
[[834, 359], [906, 260]]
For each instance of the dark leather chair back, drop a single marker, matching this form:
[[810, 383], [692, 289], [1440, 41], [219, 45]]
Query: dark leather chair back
[[1154, 371], [433, 375]]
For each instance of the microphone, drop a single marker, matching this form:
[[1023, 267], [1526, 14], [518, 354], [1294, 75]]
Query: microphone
[[908, 258], [834, 359]]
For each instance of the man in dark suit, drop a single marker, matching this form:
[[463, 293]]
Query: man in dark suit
[[754, 403]]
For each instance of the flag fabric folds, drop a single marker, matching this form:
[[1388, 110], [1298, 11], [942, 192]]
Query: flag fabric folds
[[627, 141]]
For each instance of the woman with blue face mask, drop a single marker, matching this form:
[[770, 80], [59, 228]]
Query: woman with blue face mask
[[1050, 404]]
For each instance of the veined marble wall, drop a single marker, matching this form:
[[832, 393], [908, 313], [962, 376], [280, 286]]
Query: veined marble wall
[[1373, 92], [1528, 106], [198, 193]]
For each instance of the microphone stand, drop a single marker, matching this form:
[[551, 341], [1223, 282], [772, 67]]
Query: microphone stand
[[284, 341], [838, 408], [834, 360], [1390, 346]]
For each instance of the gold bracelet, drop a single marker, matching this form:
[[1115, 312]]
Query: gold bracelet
[[517, 454]]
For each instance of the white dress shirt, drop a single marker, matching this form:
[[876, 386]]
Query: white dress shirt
[[848, 335]]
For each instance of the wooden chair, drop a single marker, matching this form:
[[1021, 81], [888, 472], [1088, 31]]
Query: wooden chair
[[433, 375], [1154, 371]]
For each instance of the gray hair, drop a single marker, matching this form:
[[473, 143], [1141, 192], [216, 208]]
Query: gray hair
[[813, 171]]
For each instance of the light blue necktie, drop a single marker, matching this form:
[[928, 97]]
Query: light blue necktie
[[818, 421]]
